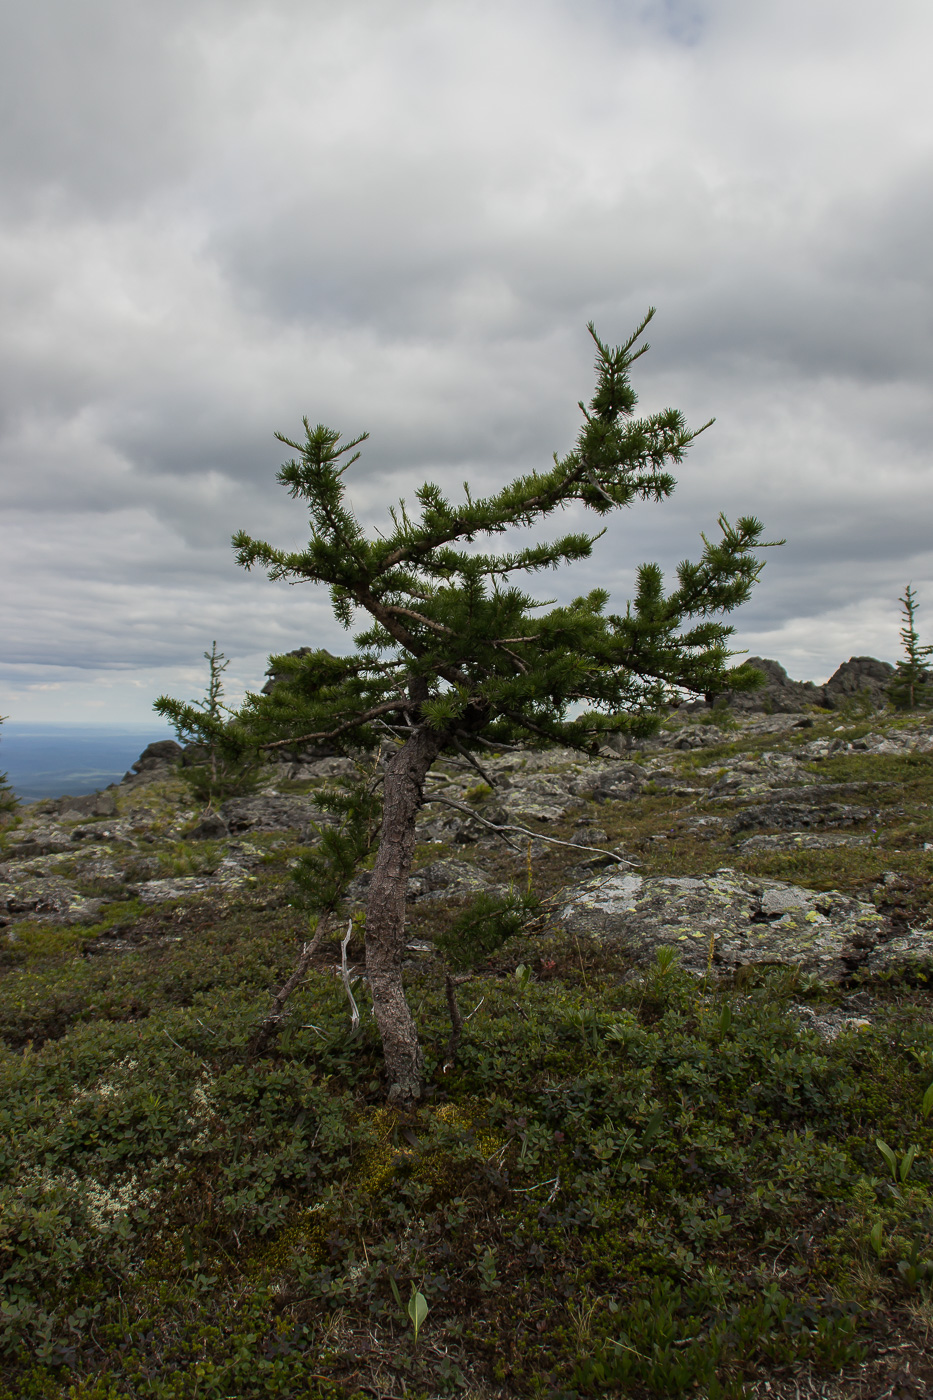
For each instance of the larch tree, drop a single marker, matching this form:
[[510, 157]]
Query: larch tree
[[457, 655]]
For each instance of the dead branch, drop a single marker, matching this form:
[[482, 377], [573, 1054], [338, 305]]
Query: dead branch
[[345, 977], [273, 1019]]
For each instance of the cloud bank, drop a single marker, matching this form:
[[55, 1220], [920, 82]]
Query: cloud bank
[[215, 218]]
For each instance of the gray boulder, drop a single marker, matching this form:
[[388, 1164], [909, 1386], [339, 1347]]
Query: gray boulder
[[447, 879], [46, 900], [747, 922], [96, 804]]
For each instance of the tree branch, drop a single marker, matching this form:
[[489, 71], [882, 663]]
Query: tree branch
[[386, 708], [473, 762]]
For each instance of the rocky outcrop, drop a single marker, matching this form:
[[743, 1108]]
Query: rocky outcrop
[[778, 695], [156, 761], [757, 786], [95, 804], [861, 678]]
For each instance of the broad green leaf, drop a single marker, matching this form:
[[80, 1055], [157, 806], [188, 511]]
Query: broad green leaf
[[888, 1156], [417, 1310]]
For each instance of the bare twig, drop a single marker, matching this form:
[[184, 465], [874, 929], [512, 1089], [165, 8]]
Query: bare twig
[[500, 747], [456, 1024], [475, 1009], [524, 831], [525, 1190], [345, 977], [273, 1019]]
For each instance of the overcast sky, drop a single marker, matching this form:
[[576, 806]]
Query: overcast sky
[[219, 215]]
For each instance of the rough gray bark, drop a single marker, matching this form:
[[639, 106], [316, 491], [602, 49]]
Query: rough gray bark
[[385, 912]]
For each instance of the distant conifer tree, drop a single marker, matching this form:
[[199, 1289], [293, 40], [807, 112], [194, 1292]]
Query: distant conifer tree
[[221, 761], [910, 688], [457, 657]]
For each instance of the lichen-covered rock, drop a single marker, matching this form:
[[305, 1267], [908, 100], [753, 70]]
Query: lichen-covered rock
[[618, 783], [318, 768], [209, 828], [744, 921], [43, 841], [911, 953], [896, 742], [525, 806], [49, 900], [442, 879], [695, 736]]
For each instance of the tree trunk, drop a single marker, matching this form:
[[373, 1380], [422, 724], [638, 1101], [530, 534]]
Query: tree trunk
[[385, 913]]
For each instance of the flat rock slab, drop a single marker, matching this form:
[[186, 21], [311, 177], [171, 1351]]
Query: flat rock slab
[[795, 815], [748, 921], [229, 877]]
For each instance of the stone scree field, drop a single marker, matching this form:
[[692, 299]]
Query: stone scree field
[[685, 1145]]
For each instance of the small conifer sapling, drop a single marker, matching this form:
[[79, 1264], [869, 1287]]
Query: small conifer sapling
[[457, 656], [222, 761], [909, 689]]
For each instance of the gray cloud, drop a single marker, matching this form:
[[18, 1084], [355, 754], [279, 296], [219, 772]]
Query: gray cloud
[[218, 217]]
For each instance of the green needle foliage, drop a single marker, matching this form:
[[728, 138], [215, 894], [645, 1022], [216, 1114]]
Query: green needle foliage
[[456, 654], [910, 687]]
